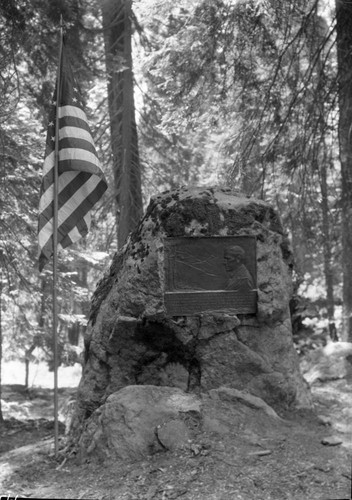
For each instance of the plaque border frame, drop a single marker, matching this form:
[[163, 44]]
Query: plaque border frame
[[172, 311]]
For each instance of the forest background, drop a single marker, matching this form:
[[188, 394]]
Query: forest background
[[253, 95]]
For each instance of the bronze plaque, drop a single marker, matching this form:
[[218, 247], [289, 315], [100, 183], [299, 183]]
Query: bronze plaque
[[210, 274]]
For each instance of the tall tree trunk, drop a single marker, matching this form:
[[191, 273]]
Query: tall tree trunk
[[41, 324], [316, 40], [328, 271], [1, 264], [27, 361], [124, 143], [344, 59]]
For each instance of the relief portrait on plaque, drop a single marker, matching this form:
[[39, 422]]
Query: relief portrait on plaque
[[210, 274], [239, 277]]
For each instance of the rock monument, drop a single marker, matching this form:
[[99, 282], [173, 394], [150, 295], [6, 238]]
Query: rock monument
[[196, 300]]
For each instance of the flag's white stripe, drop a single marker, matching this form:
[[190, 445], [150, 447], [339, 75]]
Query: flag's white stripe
[[66, 210], [71, 153], [76, 133], [79, 196], [48, 163], [68, 154], [76, 199], [74, 234], [45, 233], [78, 154], [88, 218], [48, 195], [72, 111]]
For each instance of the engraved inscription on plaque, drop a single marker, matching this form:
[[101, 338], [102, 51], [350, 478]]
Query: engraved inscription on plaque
[[210, 274]]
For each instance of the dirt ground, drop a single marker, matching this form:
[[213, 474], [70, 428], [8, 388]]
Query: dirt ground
[[287, 462]]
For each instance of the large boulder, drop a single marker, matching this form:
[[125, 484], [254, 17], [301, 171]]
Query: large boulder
[[132, 339], [139, 420]]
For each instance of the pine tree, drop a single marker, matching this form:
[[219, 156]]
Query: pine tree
[[117, 17], [344, 57]]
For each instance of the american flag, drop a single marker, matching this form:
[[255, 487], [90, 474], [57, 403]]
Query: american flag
[[81, 182]]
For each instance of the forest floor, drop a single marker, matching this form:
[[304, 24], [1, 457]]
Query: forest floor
[[286, 462]]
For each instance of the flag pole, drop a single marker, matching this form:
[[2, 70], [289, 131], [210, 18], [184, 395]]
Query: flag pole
[[55, 228]]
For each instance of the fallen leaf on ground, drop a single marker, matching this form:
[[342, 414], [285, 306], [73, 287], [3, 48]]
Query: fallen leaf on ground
[[331, 441]]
